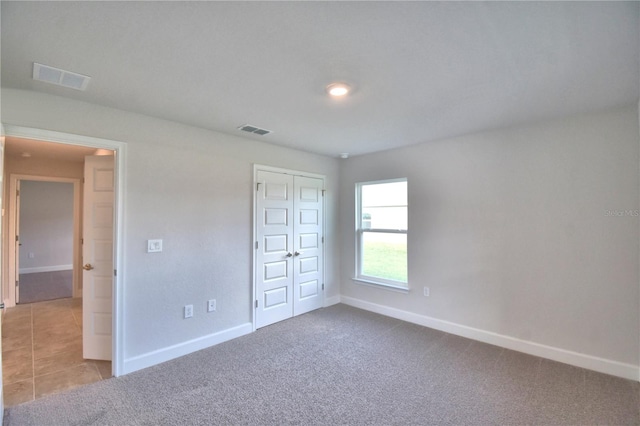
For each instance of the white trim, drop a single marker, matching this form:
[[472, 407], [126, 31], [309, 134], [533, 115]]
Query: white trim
[[257, 167], [602, 365], [120, 148], [381, 285], [175, 351], [53, 268]]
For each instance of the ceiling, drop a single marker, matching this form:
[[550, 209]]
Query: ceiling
[[420, 71], [17, 147]]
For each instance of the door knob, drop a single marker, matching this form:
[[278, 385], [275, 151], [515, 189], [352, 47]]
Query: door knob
[[297, 253], [289, 254], [87, 267]]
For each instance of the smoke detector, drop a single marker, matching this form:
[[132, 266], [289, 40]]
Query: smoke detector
[[60, 77]]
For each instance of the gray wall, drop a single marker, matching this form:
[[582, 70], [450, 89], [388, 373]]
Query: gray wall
[[530, 232], [515, 231], [192, 188], [46, 225]]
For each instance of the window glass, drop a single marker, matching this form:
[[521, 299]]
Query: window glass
[[382, 232]]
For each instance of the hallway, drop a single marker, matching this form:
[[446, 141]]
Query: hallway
[[42, 351]]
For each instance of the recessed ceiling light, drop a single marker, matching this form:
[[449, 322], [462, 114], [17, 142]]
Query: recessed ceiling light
[[344, 155], [25, 155], [338, 90]]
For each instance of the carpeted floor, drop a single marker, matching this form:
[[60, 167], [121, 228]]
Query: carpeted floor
[[41, 286], [341, 365]]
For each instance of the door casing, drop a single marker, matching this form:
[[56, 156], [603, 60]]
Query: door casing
[[120, 149], [12, 273]]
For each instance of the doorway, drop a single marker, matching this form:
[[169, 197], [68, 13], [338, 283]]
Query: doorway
[[61, 312], [45, 224], [289, 244]]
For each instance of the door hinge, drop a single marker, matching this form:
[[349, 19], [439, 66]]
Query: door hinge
[[256, 245], [82, 180], [322, 240], [115, 272], [256, 303], [258, 186], [81, 240], [322, 286], [323, 192], [17, 238]]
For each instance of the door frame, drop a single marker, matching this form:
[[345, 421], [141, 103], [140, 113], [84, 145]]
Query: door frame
[[254, 228], [12, 273], [120, 149]]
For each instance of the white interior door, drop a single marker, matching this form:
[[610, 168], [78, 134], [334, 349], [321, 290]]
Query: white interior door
[[308, 259], [274, 258], [97, 257], [17, 244], [289, 255]]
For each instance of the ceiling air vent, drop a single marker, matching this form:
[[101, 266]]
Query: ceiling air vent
[[253, 129], [60, 77]]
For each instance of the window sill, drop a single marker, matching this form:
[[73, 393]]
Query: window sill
[[381, 285]]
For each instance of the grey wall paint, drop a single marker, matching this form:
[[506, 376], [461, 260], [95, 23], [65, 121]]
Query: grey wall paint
[[517, 231], [46, 224], [508, 228], [192, 188]]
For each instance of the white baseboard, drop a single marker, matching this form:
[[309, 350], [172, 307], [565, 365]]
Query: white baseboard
[[614, 368], [328, 301], [165, 354], [46, 269]]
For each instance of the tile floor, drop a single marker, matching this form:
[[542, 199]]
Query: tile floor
[[42, 351]]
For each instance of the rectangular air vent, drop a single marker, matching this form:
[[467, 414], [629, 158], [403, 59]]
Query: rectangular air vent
[[253, 129], [60, 77]]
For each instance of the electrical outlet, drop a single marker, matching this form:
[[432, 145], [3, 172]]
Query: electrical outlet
[[426, 292], [211, 305], [31, 255], [188, 311]]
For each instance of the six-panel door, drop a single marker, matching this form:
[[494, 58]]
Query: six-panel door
[[289, 246]]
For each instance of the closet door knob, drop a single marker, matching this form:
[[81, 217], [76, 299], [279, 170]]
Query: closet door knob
[[87, 267]]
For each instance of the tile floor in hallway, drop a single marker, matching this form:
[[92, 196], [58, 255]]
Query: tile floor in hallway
[[42, 351]]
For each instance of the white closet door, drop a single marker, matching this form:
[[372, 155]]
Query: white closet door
[[289, 255], [274, 258], [308, 260]]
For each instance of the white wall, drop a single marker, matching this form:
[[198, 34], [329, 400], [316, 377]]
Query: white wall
[[530, 233], [46, 225], [192, 188]]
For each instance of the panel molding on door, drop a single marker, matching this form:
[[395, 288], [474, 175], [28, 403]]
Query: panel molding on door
[[308, 231], [274, 267], [289, 254], [97, 254]]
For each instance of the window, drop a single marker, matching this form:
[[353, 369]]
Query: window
[[382, 232]]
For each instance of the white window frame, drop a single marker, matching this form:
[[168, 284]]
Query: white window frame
[[360, 231]]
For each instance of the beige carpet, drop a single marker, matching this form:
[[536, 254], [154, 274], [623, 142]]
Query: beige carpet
[[344, 366]]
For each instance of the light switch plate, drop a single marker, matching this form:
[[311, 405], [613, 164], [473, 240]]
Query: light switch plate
[[154, 246]]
